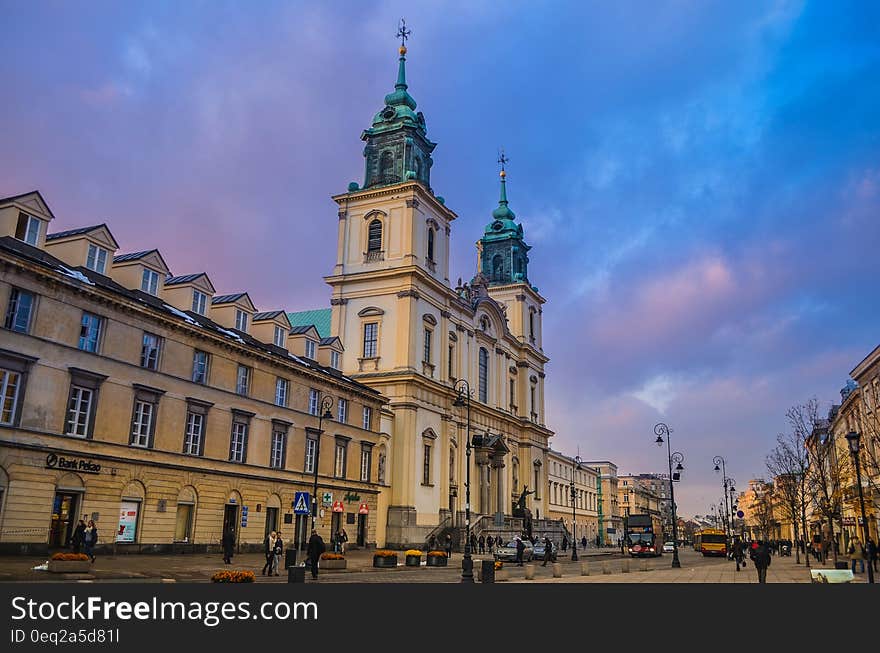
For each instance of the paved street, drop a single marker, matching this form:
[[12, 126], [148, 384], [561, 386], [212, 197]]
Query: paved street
[[603, 565]]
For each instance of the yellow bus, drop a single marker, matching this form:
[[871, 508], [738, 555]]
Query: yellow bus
[[710, 542]]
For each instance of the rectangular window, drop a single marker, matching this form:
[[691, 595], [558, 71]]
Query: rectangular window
[[483, 375], [311, 448], [195, 428], [342, 411], [334, 360], [279, 336], [512, 393], [313, 401], [310, 348], [279, 444], [238, 442], [150, 351], [367, 418], [339, 461], [242, 380], [366, 463], [142, 424], [426, 353], [10, 383], [426, 465], [150, 281], [371, 330], [90, 332], [281, 389], [79, 411], [200, 302], [241, 320], [532, 398], [97, 259], [200, 367], [28, 229], [18, 313], [451, 361]]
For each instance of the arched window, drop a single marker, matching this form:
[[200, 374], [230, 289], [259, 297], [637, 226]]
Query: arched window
[[374, 236], [386, 167], [430, 244], [497, 265], [451, 465], [484, 375], [417, 165], [532, 324]]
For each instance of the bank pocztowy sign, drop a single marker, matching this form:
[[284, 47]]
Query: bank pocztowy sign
[[54, 461]]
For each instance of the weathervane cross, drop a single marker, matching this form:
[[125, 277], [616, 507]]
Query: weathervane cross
[[403, 33], [502, 159]]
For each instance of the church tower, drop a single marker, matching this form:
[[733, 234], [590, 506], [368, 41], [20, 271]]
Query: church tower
[[503, 252]]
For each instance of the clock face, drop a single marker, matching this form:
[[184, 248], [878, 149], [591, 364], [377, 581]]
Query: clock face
[[497, 226], [388, 113]]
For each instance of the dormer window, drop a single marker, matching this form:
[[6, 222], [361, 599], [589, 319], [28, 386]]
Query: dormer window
[[334, 360], [200, 302], [97, 259], [280, 333], [150, 281], [311, 346], [28, 229], [241, 320]]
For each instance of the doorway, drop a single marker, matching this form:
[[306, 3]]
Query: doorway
[[65, 509], [362, 531], [230, 519], [271, 521], [335, 526]]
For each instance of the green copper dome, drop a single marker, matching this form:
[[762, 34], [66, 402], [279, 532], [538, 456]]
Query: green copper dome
[[504, 251]]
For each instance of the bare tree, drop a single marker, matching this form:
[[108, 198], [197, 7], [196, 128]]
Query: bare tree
[[763, 508], [790, 461]]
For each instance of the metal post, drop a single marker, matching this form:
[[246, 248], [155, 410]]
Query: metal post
[[660, 430], [324, 403], [576, 465], [853, 439], [464, 399]]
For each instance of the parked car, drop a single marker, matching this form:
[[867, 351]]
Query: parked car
[[668, 547], [507, 551], [539, 551]]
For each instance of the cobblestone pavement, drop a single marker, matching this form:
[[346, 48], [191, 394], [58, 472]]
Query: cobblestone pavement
[[594, 566]]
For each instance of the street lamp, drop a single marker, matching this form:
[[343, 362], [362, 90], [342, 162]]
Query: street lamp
[[463, 398], [324, 404], [852, 438], [660, 430], [718, 460], [576, 465]]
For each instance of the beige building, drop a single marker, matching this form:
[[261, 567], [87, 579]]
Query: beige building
[[638, 495], [565, 477], [161, 410], [608, 511]]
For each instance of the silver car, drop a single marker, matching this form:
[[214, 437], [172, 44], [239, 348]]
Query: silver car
[[507, 552]]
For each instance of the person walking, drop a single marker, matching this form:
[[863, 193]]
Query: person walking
[[520, 549], [761, 558], [482, 543], [856, 554], [564, 543], [473, 543], [548, 550], [90, 539], [738, 553], [432, 543], [77, 539], [343, 540], [277, 550], [448, 544], [314, 550], [871, 552], [228, 543], [584, 542], [269, 552], [490, 544]]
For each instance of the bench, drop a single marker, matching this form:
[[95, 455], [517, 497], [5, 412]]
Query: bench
[[831, 575]]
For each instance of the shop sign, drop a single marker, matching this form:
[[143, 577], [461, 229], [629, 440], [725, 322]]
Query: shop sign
[[327, 499], [351, 497], [363, 509], [338, 507], [54, 461]]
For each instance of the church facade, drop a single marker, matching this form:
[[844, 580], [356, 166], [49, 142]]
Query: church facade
[[421, 341]]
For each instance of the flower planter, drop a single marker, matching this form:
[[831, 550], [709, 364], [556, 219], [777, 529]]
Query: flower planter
[[501, 575], [437, 561], [332, 564], [384, 561], [69, 566], [413, 561]]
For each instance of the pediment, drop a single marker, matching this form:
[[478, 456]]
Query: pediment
[[101, 236], [32, 203]]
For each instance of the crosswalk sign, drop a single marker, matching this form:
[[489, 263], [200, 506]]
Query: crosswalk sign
[[301, 503]]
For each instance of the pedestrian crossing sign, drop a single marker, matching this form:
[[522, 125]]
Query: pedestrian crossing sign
[[301, 503]]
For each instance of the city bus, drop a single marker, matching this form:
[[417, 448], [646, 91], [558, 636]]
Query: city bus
[[710, 542], [644, 535]]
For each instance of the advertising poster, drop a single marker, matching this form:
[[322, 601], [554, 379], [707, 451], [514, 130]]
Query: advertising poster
[[128, 516]]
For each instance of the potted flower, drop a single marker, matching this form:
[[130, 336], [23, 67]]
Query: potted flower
[[233, 577], [384, 558], [500, 571], [331, 560], [437, 558], [69, 563], [413, 558]]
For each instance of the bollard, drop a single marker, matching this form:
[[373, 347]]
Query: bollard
[[557, 570], [530, 572], [624, 566], [487, 571], [585, 569], [644, 565], [289, 557], [606, 567], [296, 574]]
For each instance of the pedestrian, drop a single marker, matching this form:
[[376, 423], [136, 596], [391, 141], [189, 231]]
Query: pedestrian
[[314, 550], [481, 541], [473, 543], [871, 551], [548, 549], [228, 543], [856, 554], [520, 549], [432, 543], [342, 538], [490, 543], [761, 558], [269, 552], [564, 542], [277, 550], [620, 543], [77, 539], [448, 544], [738, 554], [90, 539]]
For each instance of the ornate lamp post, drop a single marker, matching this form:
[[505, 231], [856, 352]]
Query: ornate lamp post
[[325, 402], [576, 465], [463, 398], [660, 430], [718, 460], [852, 439]]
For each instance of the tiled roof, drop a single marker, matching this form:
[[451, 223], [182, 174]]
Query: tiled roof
[[320, 318], [186, 278], [328, 341], [73, 232], [132, 257], [228, 299], [266, 315], [302, 328]]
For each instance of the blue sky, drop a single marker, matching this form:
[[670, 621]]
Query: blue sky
[[699, 181]]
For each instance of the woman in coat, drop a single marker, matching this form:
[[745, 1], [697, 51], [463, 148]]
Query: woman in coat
[[90, 539], [78, 534], [277, 550], [269, 552]]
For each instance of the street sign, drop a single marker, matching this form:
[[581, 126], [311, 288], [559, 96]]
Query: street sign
[[301, 503], [244, 516], [327, 499], [338, 507], [363, 509], [740, 514]]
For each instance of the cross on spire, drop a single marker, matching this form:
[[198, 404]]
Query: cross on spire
[[403, 33], [502, 160]]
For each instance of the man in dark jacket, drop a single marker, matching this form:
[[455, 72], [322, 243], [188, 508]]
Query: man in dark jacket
[[314, 551], [761, 557], [738, 554], [228, 543], [78, 536], [520, 550], [548, 551]]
